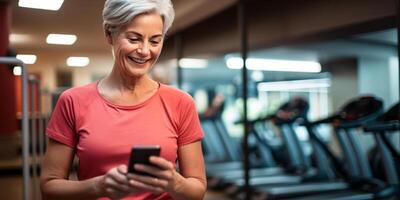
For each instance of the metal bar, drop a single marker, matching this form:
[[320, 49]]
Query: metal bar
[[324, 169], [348, 154], [226, 140], [389, 164], [361, 158], [338, 166], [244, 50], [300, 151], [265, 150], [25, 133], [398, 29], [291, 147], [34, 94], [25, 123], [41, 131]]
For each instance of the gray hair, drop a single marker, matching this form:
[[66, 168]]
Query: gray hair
[[117, 13]]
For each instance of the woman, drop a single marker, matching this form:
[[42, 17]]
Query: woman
[[101, 121]]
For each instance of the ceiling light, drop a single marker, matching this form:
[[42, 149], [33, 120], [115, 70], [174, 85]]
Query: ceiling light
[[274, 65], [294, 85], [17, 71], [19, 38], [62, 39], [193, 63], [41, 4], [78, 61], [27, 58]]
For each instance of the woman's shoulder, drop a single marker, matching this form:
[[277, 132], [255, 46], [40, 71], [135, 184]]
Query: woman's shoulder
[[174, 94], [80, 92]]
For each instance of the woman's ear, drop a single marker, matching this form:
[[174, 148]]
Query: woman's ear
[[109, 37], [108, 34]]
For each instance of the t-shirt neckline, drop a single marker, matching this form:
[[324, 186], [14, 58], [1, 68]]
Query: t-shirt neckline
[[130, 107]]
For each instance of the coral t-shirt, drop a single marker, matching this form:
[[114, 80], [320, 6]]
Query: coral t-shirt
[[103, 133]]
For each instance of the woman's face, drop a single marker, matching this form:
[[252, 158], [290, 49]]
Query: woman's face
[[137, 46]]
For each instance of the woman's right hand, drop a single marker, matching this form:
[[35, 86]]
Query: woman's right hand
[[115, 184]]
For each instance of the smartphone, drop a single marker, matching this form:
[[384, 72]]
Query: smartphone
[[140, 154]]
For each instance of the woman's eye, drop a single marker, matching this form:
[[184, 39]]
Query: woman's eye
[[154, 42], [133, 39]]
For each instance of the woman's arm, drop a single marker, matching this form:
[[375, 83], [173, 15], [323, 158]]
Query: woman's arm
[[193, 183], [55, 172]]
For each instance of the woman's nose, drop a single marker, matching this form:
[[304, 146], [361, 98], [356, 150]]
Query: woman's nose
[[144, 49]]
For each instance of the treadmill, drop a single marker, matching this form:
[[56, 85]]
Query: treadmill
[[219, 143], [357, 180], [286, 115], [388, 123], [294, 111]]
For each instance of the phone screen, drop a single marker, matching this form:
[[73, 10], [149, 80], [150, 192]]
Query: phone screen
[[140, 154]]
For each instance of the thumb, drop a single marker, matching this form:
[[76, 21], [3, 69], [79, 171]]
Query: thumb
[[122, 169]]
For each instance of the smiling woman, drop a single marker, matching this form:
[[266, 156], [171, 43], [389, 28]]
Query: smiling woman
[[101, 121]]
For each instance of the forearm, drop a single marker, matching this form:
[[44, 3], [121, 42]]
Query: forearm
[[66, 189], [189, 189]]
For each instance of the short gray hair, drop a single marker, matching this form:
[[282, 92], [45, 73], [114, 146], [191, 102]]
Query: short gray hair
[[117, 13]]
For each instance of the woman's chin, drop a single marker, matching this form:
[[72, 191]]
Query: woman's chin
[[135, 70], [136, 73]]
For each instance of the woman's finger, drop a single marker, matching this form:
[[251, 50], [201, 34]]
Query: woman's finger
[[154, 171], [154, 181], [118, 175], [112, 183], [123, 169], [161, 162]]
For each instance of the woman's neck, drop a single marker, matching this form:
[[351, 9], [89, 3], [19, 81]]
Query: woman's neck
[[118, 80], [127, 90]]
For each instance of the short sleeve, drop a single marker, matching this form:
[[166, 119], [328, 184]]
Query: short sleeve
[[189, 127], [61, 126]]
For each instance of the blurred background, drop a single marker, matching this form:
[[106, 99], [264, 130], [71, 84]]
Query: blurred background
[[328, 53]]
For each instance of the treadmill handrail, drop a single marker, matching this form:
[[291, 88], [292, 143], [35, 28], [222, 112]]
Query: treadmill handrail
[[327, 120], [380, 127], [360, 122]]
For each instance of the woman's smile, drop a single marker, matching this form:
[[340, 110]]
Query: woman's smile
[[139, 61]]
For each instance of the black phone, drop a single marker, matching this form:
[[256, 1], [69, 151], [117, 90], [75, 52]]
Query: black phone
[[140, 154]]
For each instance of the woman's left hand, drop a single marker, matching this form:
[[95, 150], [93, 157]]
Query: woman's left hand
[[164, 176]]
